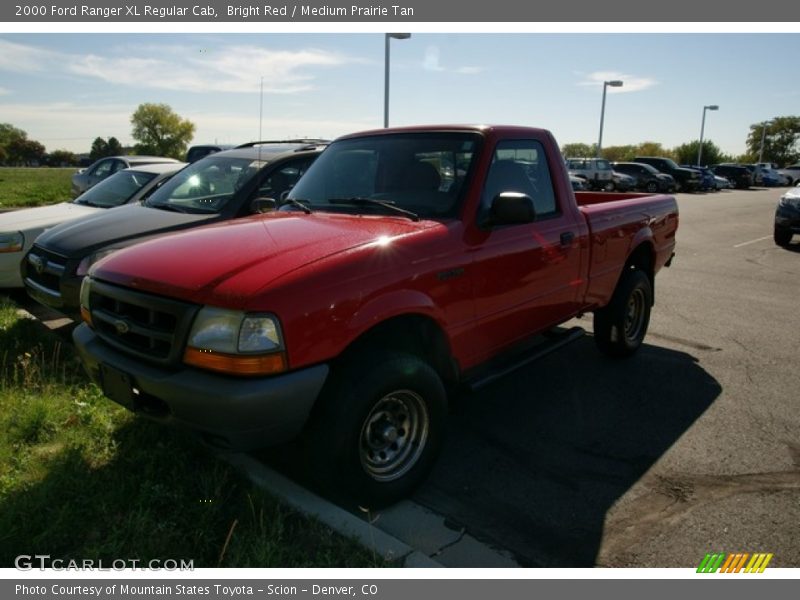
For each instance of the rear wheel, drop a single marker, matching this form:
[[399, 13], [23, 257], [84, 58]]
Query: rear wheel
[[783, 237], [620, 327], [652, 187], [379, 428]]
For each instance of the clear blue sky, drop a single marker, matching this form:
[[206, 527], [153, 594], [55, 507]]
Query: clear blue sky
[[66, 89]]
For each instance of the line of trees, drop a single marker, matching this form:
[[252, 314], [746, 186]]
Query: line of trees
[[781, 145], [156, 128]]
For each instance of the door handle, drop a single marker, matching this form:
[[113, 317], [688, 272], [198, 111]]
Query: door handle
[[567, 237]]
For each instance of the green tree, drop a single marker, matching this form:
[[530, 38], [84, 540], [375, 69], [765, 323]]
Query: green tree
[[652, 149], [686, 154], [9, 133], [25, 152], [577, 150], [619, 153], [99, 149], [781, 138], [114, 147], [3, 156], [62, 158], [159, 130]]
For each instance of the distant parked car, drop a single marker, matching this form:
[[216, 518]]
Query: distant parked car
[[707, 182], [647, 178], [787, 217], [578, 183], [19, 228], [197, 152], [596, 171], [723, 183], [738, 175], [623, 182], [792, 172], [105, 167], [687, 180]]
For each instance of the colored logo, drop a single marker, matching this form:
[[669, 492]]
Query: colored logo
[[740, 562]]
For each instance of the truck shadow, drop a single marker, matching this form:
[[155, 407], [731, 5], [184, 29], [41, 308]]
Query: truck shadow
[[534, 462]]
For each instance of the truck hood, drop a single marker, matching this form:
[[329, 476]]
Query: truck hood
[[115, 225], [28, 219], [228, 262]]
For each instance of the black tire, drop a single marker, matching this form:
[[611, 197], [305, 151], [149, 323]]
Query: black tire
[[378, 429], [652, 187], [609, 186], [620, 327], [782, 237]]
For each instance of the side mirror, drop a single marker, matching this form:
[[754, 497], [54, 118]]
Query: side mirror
[[511, 208], [263, 205]]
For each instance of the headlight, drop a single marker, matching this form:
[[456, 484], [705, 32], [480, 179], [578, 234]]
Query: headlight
[[791, 201], [88, 261], [11, 241], [234, 343], [86, 313]]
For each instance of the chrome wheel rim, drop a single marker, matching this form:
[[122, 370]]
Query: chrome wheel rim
[[635, 315], [393, 435]]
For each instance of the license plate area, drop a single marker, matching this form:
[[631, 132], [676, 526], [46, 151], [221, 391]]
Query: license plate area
[[117, 385]]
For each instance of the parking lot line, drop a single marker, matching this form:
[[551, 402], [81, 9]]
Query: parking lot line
[[761, 239]]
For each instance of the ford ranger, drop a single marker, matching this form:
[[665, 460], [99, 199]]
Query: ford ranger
[[405, 264]]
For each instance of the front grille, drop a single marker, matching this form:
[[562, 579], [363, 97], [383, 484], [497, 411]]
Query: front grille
[[144, 325], [43, 270]]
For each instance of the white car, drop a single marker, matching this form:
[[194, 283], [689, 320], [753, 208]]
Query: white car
[[19, 228]]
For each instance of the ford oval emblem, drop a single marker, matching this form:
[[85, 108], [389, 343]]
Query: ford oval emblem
[[121, 326]]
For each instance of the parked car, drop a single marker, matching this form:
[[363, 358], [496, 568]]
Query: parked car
[[707, 181], [623, 182], [648, 178], [723, 183], [195, 153], [578, 183], [596, 171], [374, 289], [792, 172], [19, 228], [221, 186], [738, 175], [105, 167], [686, 180], [787, 217]]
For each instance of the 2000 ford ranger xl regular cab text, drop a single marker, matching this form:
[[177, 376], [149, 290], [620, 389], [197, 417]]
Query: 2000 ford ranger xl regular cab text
[[405, 263]]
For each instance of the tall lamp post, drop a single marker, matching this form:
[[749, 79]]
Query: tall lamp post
[[702, 130], [614, 83], [763, 135], [397, 36]]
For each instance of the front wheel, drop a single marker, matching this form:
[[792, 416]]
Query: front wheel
[[652, 187], [620, 327], [782, 237], [378, 429]]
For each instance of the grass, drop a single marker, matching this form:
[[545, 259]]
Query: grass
[[26, 187], [83, 478]]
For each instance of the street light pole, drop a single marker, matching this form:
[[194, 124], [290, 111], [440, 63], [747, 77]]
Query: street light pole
[[702, 131], [615, 83], [388, 36], [763, 135]]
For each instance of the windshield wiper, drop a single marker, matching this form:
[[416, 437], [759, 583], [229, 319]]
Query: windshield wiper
[[360, 201], [297, 204], [170, 207]]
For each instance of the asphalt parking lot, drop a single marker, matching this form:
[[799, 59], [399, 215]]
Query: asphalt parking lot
[[692, 446]]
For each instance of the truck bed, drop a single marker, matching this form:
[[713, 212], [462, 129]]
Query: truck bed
[[618, 223]]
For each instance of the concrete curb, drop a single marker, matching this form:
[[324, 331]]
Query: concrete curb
[[307, 503]]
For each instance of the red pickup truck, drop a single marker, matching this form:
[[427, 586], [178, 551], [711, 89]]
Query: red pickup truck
[[405, 264]]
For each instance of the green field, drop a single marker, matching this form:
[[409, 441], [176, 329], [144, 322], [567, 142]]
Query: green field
[[83, 478], [23, 187]]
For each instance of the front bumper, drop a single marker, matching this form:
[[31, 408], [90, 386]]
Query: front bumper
[[787, 217], [231, 412]]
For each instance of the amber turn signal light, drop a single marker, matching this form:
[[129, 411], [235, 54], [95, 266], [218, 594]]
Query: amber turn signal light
[[236, 364]]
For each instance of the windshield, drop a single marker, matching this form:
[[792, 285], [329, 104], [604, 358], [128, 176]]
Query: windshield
[[115, 190], [207, 185], [423, 173]]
